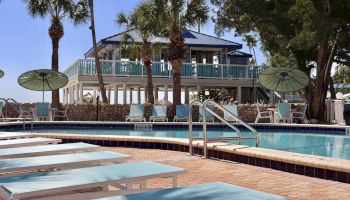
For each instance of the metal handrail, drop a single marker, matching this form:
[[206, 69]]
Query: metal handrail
[[23, 112], [205, 109], [198, 103]]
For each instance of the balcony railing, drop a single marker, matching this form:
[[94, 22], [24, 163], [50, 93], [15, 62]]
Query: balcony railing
[[162, 69]]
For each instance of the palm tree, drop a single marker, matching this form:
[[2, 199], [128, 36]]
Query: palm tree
[[97, 59], [57, 10], [144, 21], [176, 16]]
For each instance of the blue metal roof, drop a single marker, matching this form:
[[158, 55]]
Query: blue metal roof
[[192, 39], [239, 54]]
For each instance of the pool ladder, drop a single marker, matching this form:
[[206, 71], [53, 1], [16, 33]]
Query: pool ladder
[[205, 109]]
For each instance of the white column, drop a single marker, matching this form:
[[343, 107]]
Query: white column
[[187, 96], [109, 94], [130, 97], [81, 93], [124, 93], [166, 92], [71, 95], [198, 90], [239, 94], [338, 112], [77, 99], [116, 94], [138, 95], [64, 95], [94, 97]]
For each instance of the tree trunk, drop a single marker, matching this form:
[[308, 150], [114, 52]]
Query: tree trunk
[[149, 83], [54, 67], [97, 59], [176, 64]]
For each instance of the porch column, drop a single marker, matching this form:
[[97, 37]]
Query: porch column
[[138, 95], [64, 95], [124, 93], [81, 93], [77, 93], [109, 94], [239, 94], [187, 96], [166, 91], [116, 94], [155, 93], [71, 95], [145, 86], [130, 97], [94, 97]]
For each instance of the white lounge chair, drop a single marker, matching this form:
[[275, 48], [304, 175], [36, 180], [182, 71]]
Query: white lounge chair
[[158, 113], [63, 182], [44, 150], [209, 116], [136, 113], [15, 135], [27, 142], [62, 114], [233, 110], [300, 115], [263, 115], [9, 167], [206, 191]]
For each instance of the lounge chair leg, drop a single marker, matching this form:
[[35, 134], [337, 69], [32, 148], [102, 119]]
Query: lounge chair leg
[[257, 119], [143, 185]]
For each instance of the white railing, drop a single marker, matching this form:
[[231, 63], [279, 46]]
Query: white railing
[[162, 69]]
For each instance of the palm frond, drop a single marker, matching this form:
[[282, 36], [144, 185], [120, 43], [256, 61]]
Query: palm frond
[[196, 13], [79, 12]]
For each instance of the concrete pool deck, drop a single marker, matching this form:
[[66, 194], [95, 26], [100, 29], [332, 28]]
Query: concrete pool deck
[[200, 170]]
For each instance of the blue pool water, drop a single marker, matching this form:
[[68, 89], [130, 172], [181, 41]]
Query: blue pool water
[[329, 145]]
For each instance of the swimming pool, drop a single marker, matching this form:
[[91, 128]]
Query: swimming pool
[[332, 145]]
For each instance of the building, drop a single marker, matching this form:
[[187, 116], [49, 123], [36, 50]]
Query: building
[[210, 62]]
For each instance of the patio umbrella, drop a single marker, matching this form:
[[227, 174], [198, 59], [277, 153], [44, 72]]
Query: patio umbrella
[[1, 73], [283, 79], [42, 80]]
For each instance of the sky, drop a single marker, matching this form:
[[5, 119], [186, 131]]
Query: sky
[[25, 44]]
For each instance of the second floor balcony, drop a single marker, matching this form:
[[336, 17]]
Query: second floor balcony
[[115, 68]]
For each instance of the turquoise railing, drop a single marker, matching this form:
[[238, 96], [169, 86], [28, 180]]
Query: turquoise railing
[[162, 69]]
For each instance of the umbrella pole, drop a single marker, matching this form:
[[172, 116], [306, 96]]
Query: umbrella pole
[[43, 90]]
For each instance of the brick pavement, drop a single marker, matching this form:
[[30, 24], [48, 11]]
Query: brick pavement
[[200, 170]]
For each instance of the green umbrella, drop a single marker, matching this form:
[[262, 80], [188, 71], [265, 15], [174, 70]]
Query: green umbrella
[[1, 73], [283, 79], [42, 80]]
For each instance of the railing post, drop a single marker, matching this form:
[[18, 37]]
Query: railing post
[[222, 71], [142, 65], [246, 72], [113, 68]]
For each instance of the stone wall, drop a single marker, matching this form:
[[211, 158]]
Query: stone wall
[[87, 112]]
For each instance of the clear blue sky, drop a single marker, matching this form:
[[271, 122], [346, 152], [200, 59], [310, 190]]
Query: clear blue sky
[[25, 44]]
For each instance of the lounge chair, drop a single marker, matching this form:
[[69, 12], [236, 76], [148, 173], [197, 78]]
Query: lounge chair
[[44, 150], [27, 142], [181, 113], [263, 115], [158, 113], [66, 181], [136, 113], [9, 167], [42, 111], [8, 136], [209, 116], [206, 191], [284, 112], [233, 110], [300, 115], [61, 114]]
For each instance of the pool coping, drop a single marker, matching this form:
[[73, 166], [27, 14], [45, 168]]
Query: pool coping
[[304, 164]]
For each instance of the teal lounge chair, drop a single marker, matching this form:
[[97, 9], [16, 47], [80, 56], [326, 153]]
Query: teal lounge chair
[[209, 116], [65, 181], [181, 113], [24, 142], [158, 113], [44, 150], [284, 112], [233, 110], [42, 111], [206, 191], [8, 136], [9, 167], [136, 113]]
